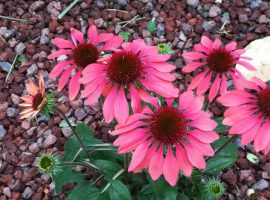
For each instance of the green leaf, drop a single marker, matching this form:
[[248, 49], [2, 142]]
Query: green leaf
[[84, 191], [151, 25], [109, 167], [182, 197], [22, 59], [146, 193], [252, 158], [125, 35], [163, 191], [67, 175], [225, 158], [119, 191], [220, 128]]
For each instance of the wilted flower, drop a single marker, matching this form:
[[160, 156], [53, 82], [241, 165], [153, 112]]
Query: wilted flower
[[48, 163], [81, 54], [158, 133], [220, 63], [213, 189], [131, 70], [35, 101], [249, 114]]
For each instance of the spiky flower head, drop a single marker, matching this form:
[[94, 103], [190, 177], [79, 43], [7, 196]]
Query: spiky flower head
[[48, 163], [165, 48], [213, 189]]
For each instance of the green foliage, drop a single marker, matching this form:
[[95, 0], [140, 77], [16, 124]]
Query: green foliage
[[110, 168], [48, 163], [22, 59], [220, 128], [225, 158], [165, 48], [226, 15], [49, 106], [125, 35], [202, 10], [151, 25], [118, 190]]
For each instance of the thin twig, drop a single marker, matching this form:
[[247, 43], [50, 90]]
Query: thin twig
[[13, 19], [12, 67], [73, 130], [84, 164], [113, 178], [116, 10], [64, 12], [3, 39]]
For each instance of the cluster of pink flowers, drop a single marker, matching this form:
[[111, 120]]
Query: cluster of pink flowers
[[174, 137]]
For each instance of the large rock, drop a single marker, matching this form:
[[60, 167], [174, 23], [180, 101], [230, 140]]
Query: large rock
[[258, 51]]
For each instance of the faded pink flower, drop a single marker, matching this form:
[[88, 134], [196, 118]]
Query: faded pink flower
[[218, 64], [131, 70], [249, 114], [81, 54], [167, 139]]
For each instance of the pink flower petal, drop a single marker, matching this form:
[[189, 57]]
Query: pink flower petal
[[205, 41], [121, 109], [197, 80], [185, 99], [223, 86], [113, 43], [195, 106], [58, 53], [63, 44], [243, 125], [194, 156], [259, 82], [156, 164], [204, 148], [76, 36], [238, 52], [183, 161], [204, 136], [131, 137], [231, 46], [129, 147], [216, 44], [56, 71], [161, 66], [204, 85], [203, 124], [92, 34], [129, 127], [262, 137], [246, 65], [91, 99], [104, 37], [232, 100], [249, 136], [148, 98], [74, 85], [138, 155], [108, 106], [137, 45], [190, 67], [162, 75], [64, 78], [170, 168], [201, 48], [132, 119], [135, 99], [193, 55], [214, 89]]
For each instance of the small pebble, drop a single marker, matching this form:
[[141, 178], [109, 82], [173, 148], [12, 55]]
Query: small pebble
[[50, 140], [5, 66], [193, 3], [160, 30], [2, 132], [33, 69], [214, 11], [67, 131], [260, 185], [12, 112], [20, 48], [27, 193], [209, 25]]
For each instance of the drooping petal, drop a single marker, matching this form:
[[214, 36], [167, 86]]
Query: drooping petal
[[262, 137], [92, 34], [204, 136], [156, 164], [205, 41], [103, 37], [246, 65], [108, 106], [56, 71], [204, 85], [135, 99], [203, 124], [32, 88], [183, 161], [146, 97], [204, 148], [214, 89], [170, 168], [190, 67], [193, 55], [216, 44], [249, 136], [64, 78], [223, 85], [161, 66], [194, 156], [185, 99], [121, 109], [58, 53], [231, 46], [74, 85], [113, 43], [197, 80], [63, 44]]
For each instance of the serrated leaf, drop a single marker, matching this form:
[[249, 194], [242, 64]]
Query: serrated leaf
[[125, 35], [220, 128], [84, 191], [252, 158], [225, 158], [163, 190], [151, 26], [119, 191]]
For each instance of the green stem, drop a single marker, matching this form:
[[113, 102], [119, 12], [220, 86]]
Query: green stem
[[229, 141], [126, 161], [73, 130], [13, 19], [68, 9], [113, 178]]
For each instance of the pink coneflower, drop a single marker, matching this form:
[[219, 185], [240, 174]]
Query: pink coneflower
[[35, 101], [131, 70], [249, 114], [81, 54], [220, 63], [167, 139]]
